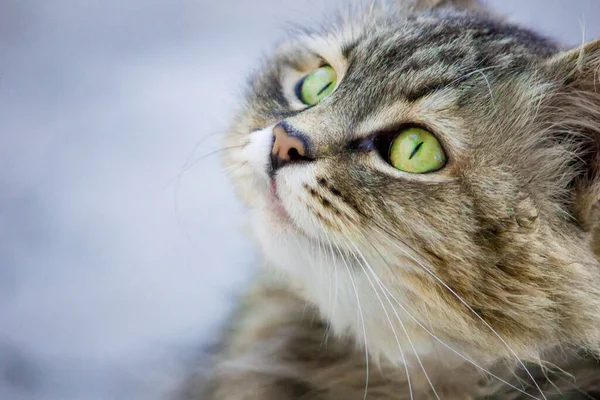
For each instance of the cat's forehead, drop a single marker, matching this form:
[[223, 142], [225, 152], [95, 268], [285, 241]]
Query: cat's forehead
[[435, 29], [443, 46], [409, 55], [414, 56]]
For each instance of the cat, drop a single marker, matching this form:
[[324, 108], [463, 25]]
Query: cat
[[423, 181]]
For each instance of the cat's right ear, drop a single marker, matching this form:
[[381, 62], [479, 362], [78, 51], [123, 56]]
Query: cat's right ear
[[578, 73], [430, 4]]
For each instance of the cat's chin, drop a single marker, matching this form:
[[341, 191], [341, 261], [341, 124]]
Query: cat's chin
[[276, 221]]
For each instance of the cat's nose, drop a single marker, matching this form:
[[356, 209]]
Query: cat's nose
[[288, 146]]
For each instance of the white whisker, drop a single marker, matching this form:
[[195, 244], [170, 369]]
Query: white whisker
[[359, 312], [321, 260], [391, 324], [470, 309], [440, 341], [382, 285], [468, 75], [491, 92]]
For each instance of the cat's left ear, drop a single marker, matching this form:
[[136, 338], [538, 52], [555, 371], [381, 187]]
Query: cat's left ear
[[579, 65], [578, 71]]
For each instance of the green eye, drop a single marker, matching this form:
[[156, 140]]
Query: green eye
[[317, 85], [417, 151]]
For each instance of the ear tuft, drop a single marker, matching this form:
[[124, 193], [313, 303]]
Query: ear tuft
[[580, 65]]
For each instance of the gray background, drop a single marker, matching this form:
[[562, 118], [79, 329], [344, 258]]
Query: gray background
[[116, 260]]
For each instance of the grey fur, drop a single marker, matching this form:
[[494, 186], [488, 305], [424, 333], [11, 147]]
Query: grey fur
[[502, 238]]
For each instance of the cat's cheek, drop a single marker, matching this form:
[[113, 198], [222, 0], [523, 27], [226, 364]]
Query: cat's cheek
[[291, 187]]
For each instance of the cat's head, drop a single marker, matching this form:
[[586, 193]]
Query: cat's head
[[431, 164]]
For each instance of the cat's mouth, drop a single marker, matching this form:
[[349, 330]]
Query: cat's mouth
[[275, 203], [284, 220]]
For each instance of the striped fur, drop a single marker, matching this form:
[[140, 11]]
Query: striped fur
[[487, 264]]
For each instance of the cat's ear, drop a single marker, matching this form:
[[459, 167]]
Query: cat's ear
[[579, 65], [578, 71], [457, 4]]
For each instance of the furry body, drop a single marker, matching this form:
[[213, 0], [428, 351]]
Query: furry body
[[285, 352], [453, 284]]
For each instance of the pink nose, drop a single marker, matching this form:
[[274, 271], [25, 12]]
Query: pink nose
[[286, 148]]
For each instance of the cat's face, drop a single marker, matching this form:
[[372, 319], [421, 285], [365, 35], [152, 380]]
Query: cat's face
[[412, 172]]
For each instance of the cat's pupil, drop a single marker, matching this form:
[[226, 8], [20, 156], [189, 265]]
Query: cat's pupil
[[415, 150], [324, 88]]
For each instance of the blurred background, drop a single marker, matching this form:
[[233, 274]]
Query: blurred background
[[121, 245]]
